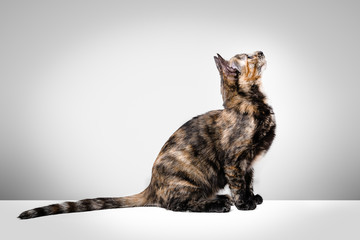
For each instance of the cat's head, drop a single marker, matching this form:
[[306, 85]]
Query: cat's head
[[240, 73], [248, 67]]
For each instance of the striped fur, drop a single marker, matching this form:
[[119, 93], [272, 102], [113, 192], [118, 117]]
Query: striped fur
[[206, 153], [86, 205]]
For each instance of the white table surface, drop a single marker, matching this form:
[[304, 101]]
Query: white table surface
[[272, 220]]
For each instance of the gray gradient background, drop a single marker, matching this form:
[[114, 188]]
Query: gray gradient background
[[91, 90]]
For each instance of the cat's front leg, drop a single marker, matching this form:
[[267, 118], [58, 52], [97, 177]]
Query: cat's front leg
[[239, 177], [249, 187]]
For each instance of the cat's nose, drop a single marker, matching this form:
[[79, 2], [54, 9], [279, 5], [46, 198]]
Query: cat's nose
[[260, 54]]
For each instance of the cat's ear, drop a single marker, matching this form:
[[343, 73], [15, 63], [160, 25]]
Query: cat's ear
[[224, 68]]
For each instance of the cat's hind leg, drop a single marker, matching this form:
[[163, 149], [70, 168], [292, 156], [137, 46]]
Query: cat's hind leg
[[195, 203], [221, 203]]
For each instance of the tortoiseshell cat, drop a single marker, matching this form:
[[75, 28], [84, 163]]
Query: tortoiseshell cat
[[206, 153]]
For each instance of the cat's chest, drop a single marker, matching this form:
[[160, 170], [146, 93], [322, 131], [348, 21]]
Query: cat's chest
[[236, 129], [264, 133], [264, 122]]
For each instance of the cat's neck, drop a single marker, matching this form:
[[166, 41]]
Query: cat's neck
[[248, 101]]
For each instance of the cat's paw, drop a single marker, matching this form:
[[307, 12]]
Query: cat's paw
[[258, 199], [222, 203], [249, 202]]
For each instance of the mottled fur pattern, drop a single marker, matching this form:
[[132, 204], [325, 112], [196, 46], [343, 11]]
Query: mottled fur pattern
[[206, 153]]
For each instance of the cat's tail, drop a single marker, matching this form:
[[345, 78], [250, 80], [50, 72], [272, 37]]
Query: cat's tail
[[136, 200]]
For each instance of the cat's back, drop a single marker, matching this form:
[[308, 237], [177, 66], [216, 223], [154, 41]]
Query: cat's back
[[209, 133], [199, 132]]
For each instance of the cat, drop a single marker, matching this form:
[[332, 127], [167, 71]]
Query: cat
[[206, 153]]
